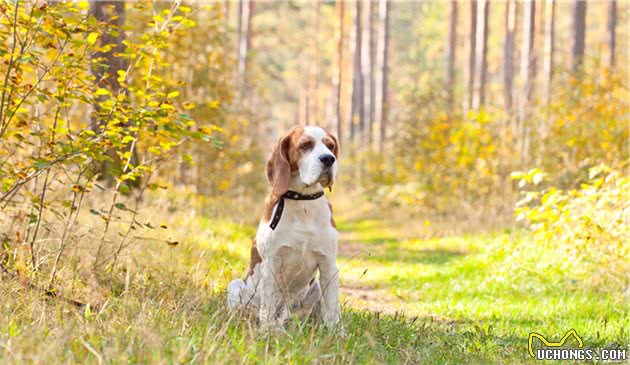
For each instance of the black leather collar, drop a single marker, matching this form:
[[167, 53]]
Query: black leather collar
[[292, 195]]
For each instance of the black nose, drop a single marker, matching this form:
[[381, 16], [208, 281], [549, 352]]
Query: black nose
[[327, 160]]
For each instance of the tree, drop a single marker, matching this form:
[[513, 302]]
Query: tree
[[481, 59], [357, 102], [246, 12], [612, 39], [226, 11], [337, 75], [578, 30], [472, 53], [547, 74], [239, 32], [314, 84], [105, 65], [383, 55], [450, 54], [508, 53], [528, 63], [370, 71]]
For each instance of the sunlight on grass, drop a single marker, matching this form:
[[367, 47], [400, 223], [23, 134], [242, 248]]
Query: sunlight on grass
[[455, 299], [500, 281]]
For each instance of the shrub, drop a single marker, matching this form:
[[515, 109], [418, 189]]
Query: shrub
[[59, 125], [588, 224]]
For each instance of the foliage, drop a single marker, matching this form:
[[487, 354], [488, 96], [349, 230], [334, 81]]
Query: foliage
[[446, 157], [52, 146], [585, 123], [453, 160], [199, 64], [588, 224]]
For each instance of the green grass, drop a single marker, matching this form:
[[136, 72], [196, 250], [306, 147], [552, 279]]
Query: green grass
[[498, 286], [465, 299]]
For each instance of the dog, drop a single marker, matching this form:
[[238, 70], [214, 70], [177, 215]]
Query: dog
[[297, 236]]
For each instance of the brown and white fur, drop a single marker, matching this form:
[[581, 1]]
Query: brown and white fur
[[281, 279]]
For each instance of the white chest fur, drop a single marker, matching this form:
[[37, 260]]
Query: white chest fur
[[303, 237], [303, 243]]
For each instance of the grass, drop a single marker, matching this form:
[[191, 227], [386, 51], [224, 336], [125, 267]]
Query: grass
[[496, 288], [408, 298]]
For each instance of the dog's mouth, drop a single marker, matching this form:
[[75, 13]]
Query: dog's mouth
[[326, 178]]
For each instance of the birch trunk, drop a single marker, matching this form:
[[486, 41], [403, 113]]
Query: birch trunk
[[450, 54]]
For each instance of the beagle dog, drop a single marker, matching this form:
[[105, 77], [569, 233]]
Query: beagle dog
[[297, 236]]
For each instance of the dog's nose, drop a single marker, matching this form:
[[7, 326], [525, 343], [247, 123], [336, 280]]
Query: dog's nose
[[327, 160]]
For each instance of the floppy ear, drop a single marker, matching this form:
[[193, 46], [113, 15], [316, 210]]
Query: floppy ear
[[336, 149], [279, 168]]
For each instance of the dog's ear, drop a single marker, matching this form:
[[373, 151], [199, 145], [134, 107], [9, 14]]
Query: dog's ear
[[336, 148], [279, 167]]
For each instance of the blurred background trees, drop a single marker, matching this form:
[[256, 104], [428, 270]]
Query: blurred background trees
[[435, 104]]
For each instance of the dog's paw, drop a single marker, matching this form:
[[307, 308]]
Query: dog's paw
[[234, 293]]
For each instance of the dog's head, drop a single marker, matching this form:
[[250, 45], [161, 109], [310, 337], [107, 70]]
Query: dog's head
[[307, 153]]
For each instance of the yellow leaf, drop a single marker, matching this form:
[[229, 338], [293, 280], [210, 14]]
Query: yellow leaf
[[91, 38], [172, 94], [100, 91]]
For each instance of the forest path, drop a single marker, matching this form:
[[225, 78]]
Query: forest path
[[499, 285], [382, 264]]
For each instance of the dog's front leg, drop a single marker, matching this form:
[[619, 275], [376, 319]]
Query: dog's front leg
[[270, 296], [329, 281]]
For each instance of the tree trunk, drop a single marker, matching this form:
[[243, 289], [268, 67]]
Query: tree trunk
[[226, 11], [550, 14], [612, 38], [105, 70], [578, 29], [239, 34], [481, 59], [450, 55], [383, 55], [527, 72], [245, 42], [472, 53], [508, 54], [314, 94], [527, 55], [339, 7], [302, 107], [358, 107], [370, 77]]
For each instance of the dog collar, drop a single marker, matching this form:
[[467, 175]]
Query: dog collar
[[292, 195]]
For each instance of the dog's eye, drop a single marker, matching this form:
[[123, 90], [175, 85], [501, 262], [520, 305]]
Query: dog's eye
[[330, 145], [306, 146]]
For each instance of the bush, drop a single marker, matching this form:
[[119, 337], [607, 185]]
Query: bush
[[588, 224], [59, 124], [458, 158]]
